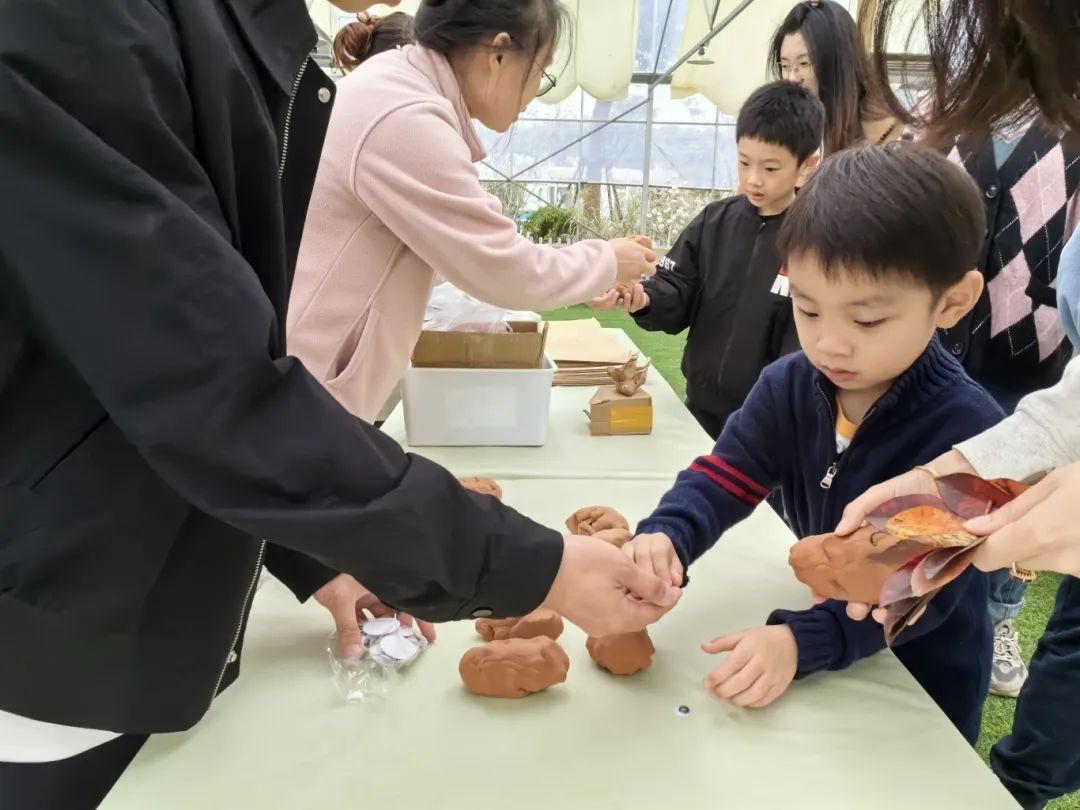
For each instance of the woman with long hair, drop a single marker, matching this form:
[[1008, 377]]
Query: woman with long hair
[[817, 46]]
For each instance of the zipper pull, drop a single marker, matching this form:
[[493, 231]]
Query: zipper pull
[[830, 474]]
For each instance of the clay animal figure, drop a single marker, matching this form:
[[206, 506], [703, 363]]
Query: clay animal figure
[[602, 522], [541, 622], [629, 377], [485, 486], [910, 548], [622, 654], [514, 668]]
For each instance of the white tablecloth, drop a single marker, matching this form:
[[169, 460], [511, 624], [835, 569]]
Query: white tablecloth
[[282, 738]]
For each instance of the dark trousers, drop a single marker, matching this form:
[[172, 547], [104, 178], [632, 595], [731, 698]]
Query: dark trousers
[[1040, 760], [78, 783]]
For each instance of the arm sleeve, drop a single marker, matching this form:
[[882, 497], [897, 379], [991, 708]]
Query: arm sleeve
[[674, 290], [414, 172], [119, 255], [719, 490], [1043, 434]]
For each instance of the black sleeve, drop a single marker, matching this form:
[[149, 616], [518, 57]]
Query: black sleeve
[[673, 291], [117, 249], [301, 574]]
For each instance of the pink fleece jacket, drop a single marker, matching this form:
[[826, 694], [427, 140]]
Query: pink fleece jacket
[[398, 199]]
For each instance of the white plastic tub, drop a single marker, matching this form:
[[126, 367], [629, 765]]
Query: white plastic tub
[[477, 407]]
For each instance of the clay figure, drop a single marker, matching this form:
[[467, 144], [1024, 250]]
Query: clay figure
[[485, 486], [514, 668], [622, 654], [541, 622], [602, 522], [629, 377]]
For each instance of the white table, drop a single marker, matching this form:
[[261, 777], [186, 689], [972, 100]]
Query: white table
[[571, 452], [282, 738]]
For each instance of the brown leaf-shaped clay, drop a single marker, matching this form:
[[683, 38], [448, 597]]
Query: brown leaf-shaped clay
[[880, 517], [852, 568], [485, 486], [541, 622], [594, 519], [513, 668], [629, 377], [622, 654]]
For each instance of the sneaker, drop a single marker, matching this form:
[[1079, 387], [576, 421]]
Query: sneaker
[[1008, 673]]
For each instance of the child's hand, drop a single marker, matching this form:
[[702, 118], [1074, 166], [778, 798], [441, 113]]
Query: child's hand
[[656, 554], [636, 300], [605, 302], [760, 666]]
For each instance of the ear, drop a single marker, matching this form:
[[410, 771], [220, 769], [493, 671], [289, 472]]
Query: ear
[[807, 168], [958, 300], [500, 44]]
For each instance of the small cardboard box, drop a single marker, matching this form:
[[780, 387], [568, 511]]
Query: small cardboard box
[[613, 414], [521, 347]]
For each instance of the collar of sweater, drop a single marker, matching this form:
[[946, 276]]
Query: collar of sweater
[[438, 70], [934, 370]]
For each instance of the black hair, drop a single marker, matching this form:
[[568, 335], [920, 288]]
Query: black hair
[[841, 67], [993, 64], [369, 36], [447, 26], [783, 114], [890, 210]]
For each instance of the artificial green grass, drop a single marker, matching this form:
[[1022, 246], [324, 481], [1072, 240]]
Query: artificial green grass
[[666, 354]]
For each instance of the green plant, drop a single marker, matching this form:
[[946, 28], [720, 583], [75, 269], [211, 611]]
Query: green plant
[[550, 224]]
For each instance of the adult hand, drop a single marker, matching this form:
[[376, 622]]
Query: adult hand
[[1039, 530], [606, 302], [635, 257], [346, 599], [913, 482], [600, 590], [655, 554]]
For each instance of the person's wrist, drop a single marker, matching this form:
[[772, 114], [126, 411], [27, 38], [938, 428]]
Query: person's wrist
[[951, 462]]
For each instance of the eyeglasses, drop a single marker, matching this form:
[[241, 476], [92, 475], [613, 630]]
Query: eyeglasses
[[801, 68], [547, 81]]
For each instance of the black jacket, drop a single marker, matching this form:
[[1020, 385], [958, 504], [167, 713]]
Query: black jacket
[[157, 157], [722, 280]]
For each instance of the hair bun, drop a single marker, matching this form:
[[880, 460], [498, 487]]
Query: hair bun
[[353, 42]]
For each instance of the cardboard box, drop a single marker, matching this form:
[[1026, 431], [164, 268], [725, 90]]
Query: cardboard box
[[522, 347], [613, 414]]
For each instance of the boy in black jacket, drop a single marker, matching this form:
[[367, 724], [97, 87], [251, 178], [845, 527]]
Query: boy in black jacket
[[880, 249], [723, 277]]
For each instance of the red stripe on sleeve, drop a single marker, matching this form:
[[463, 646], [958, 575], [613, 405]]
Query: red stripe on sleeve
[[730, 486], [723, 467]]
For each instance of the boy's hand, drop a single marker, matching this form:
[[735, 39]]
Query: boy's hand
[[635, 300], [760, 666], [625, 297], [606, 302], [655, 553]]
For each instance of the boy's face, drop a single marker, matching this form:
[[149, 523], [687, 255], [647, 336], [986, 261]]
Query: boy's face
[[769, 175], [864, 333]]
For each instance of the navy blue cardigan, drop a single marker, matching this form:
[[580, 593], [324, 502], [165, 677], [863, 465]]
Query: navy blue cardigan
[[785, 436]]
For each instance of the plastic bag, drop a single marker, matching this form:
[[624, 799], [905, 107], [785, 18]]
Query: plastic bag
[[389, 647], [451, 310]]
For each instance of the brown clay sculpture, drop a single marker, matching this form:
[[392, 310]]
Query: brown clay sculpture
[[622, 654], [602, 522], [541, 622], [910, 548], [485, 486], [514, 668], [629, 377]]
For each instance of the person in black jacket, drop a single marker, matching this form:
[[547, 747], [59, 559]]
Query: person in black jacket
[[723, 277], [157, 445]]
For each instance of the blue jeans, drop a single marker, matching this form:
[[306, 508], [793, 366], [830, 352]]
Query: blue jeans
[[1006, 595], [1040, 760]]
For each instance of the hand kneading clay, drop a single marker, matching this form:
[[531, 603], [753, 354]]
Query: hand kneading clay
[[623, 654], [601, 522], [541, 622], [514, 668], [485, 486]]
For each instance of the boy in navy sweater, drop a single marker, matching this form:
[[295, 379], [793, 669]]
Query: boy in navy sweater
[[880, 248]]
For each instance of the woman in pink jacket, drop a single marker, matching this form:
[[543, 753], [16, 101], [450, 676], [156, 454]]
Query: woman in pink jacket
[[398, 199]]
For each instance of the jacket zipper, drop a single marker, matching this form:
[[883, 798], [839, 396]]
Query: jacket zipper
[[231, 656], [838, 458], [288, 118]]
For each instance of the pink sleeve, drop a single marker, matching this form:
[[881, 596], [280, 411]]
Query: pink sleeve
[[414, 172]]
